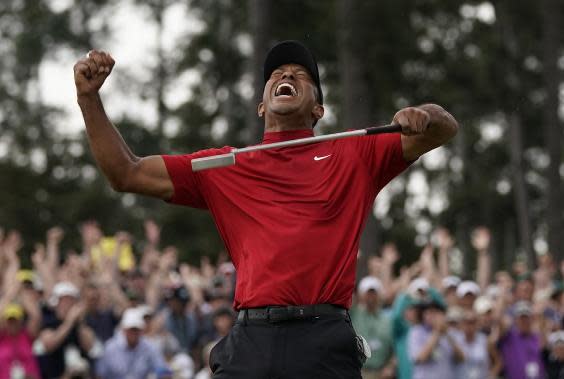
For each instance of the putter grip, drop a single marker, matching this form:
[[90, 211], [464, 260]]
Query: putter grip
[[392, 128]]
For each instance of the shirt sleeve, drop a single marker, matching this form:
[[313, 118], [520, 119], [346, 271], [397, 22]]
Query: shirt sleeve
[[383, 155], [188, 189]]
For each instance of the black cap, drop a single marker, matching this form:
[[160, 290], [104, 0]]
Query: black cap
[[287, 52], [180, 293], [431, 304]]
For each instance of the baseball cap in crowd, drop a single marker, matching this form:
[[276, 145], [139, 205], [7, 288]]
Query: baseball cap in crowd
[[467, 287], [145, 310], [132, 319], [483, 304], [416, 286], [556, 338], [223, 311], [431, 304], [179, 293], [522, 308], [62, 289], [369, 283], [450, 281], [226, 268], [287, 52], [454, 314], [25, 276], [13, 311]]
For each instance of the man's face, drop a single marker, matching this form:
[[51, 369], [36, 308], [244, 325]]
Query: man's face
[[524, 290], [467, 301], [132, 336], [469, 324], [64, 305], [371, 299], [290, 90], [523, 323]]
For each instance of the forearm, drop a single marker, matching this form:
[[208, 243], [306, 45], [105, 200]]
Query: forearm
[[111, 152], [457, 352], [86, 337], [427, 350], [52, 255], [34, 322], [484, 269], [443, 263], [52, 339]]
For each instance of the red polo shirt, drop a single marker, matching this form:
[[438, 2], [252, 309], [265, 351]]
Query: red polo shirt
[[291, 217]]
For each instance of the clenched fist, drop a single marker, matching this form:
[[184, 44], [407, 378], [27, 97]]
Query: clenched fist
[[91, 72], [412, 120]]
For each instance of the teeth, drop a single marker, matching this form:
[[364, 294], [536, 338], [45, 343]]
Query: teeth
[[286, 85]]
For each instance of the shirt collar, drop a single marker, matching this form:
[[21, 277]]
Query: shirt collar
[[270, 137]]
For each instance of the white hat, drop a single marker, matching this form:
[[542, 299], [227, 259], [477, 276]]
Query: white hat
[[556, 338], [63, 289], [145, 310], [369, 283], [483, 304], [416, 285], [493, 291], [454, 314], [450, 281], [132, 318], [467, 287], [522, 308]]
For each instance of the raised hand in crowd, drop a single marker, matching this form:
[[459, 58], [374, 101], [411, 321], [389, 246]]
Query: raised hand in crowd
[[444, 241], [428, 268], [390, 255], [54, 237], [152, 234], [9, 248], [29, 302], [91, 235], [481, 239]]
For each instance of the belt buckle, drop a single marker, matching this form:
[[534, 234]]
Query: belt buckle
[[297, 312], [276, 314]]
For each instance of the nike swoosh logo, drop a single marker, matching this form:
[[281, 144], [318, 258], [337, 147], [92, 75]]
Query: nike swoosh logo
[[316, 158]]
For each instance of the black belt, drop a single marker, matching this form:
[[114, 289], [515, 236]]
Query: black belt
[[291, 312]]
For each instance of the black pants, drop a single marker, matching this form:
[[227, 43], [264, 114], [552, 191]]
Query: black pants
[[323, 348]]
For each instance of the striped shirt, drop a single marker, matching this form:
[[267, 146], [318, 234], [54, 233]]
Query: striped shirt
[[121, 362]]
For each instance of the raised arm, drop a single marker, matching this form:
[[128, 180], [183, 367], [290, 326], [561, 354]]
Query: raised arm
[[124, 170], [424, 128]]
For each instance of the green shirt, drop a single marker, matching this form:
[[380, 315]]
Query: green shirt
[[376, 328]]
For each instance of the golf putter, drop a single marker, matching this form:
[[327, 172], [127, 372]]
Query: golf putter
[[224, 160]]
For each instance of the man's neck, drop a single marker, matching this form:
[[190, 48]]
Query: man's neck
[[286, 123]]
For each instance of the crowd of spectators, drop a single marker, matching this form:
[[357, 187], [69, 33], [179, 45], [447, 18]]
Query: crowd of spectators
[[112, 311]]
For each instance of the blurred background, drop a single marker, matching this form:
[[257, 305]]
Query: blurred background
[[189, 76], [468, 243]]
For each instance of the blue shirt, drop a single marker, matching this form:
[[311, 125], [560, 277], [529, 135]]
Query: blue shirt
[[121, 362]]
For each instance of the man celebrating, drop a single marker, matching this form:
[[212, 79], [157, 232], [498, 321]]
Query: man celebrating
[[291, 218]]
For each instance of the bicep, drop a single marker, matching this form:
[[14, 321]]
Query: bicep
[[149, 176]]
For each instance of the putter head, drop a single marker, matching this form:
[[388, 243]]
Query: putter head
[[215, 161]]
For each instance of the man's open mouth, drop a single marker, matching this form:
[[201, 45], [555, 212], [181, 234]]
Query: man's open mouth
[[285, 89]]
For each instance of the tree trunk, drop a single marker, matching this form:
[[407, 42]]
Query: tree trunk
[[521, 201], [259, 11], [550, 51], [520, 196], [354, 110]]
